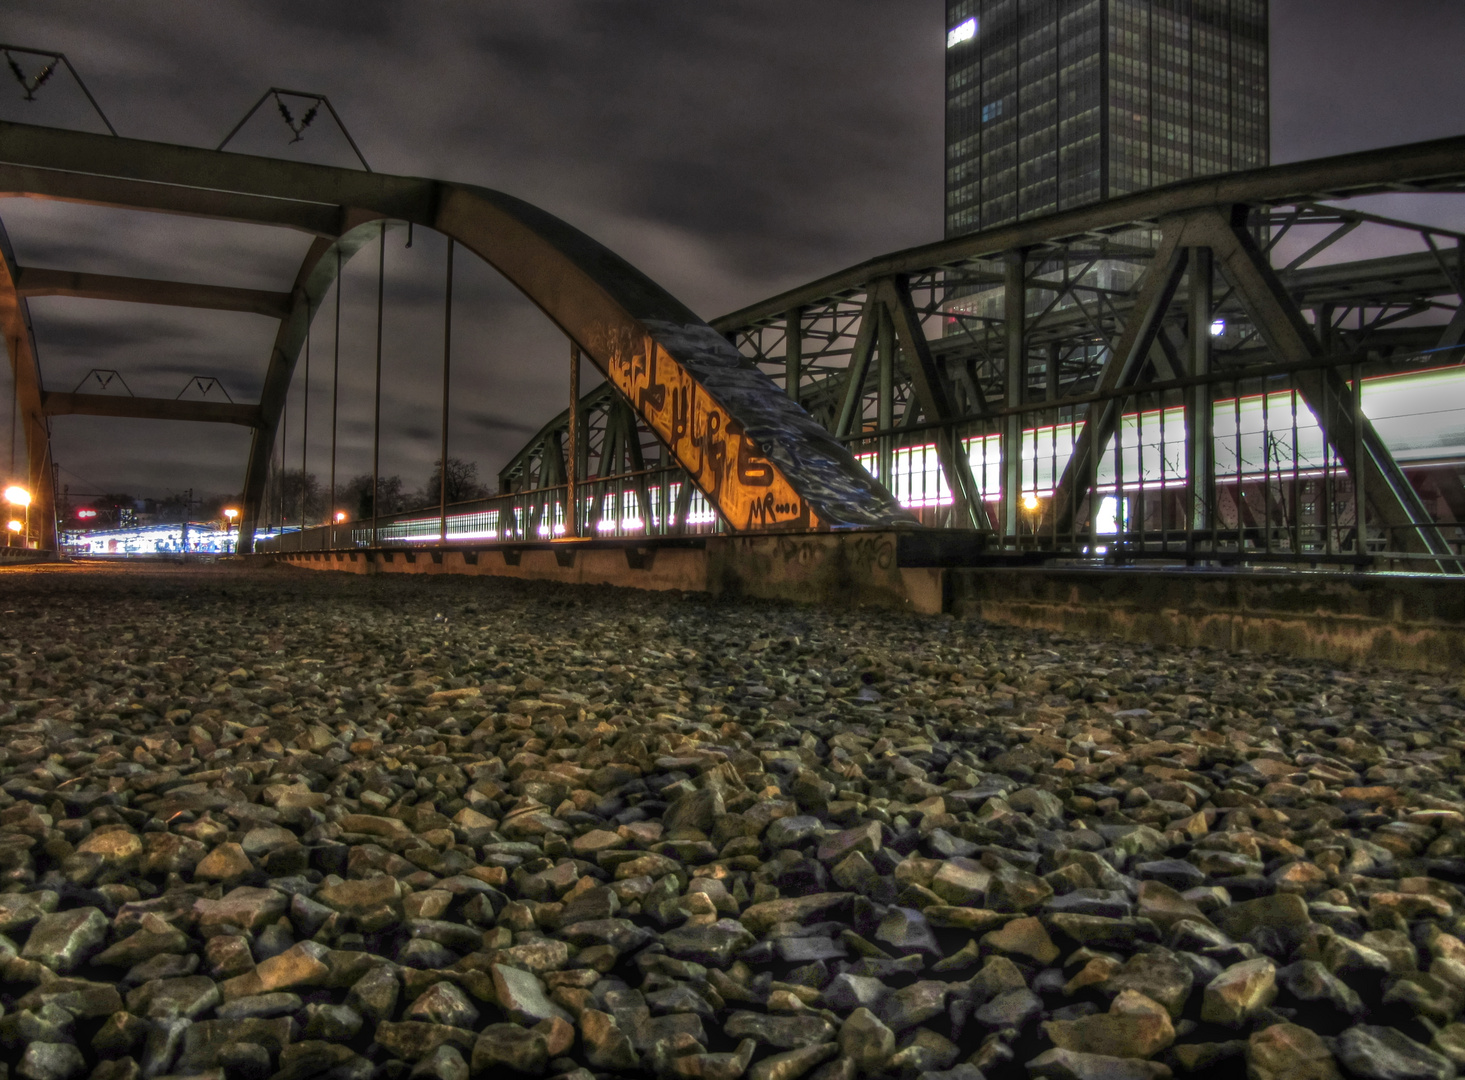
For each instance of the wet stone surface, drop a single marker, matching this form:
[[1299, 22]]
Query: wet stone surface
[[278, 824]]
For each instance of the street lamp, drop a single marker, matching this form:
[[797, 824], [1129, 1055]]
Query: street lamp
[[340, 516], [1032, 505], [16, 495]]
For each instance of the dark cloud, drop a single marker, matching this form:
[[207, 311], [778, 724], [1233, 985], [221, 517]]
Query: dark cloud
[[730, 150]]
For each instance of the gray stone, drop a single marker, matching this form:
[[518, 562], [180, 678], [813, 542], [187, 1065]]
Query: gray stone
[[521, 996], [714, 945], [792, 831], [866, 1041], [846, 992], [1308, 984], [906, 931], [913, 1004], [338, 1023], [51, 1061], [1015, 1009], [63, 940], [606, 1045], [374, 995], [1240, 992], [276, 1003], [444, 1063], [163, 1044], [1159, 975], [1381, 1053], [444, 1003], [510, 1046], [781, 1032], [1058, 1064], [792, 1064]]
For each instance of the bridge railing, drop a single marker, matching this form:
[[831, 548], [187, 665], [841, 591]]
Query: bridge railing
[[1222, 470], [649, 503], [1228, 469]]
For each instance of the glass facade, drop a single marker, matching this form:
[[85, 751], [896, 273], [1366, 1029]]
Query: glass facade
[[1051, 104]]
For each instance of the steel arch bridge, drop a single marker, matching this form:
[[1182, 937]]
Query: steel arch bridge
[[1204, 372], [755, 455]]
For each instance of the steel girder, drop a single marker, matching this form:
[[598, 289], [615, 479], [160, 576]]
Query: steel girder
[[59, 403], [758, 457], [36, 282]]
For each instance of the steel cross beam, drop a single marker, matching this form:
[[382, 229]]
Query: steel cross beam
[[34, 281], [59, 403], [755, 454]]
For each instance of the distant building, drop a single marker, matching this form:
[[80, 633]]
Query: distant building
[[1051, 104]]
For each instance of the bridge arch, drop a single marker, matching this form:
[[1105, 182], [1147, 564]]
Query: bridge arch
[[757, 456]]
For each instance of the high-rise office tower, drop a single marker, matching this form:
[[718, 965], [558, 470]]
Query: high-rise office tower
[[1051, 104]]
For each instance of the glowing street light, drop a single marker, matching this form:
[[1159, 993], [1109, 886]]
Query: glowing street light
[[340, 516], [231, 514], [1030, 503], [16, 495]]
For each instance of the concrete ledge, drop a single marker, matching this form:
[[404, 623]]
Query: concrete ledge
[[842, 570], [16, 556], [1399, 621]]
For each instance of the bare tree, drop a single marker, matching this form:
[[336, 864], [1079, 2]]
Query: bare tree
[[357, 495], [462, 482]]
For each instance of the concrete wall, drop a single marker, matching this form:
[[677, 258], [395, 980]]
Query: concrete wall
[[15, 556], [855, 570], [1398, 621]]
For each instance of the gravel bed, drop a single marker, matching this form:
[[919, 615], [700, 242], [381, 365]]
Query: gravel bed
[[274, 823]]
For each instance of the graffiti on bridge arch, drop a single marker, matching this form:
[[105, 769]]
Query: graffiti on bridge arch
[[724, 461]]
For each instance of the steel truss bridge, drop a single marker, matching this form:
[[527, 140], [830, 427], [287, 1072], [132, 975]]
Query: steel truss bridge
[[1203, 373]]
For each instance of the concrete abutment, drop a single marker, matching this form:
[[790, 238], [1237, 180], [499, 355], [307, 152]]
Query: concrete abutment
[[1398, 621]]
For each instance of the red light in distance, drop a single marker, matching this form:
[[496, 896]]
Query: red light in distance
[[86, 513]]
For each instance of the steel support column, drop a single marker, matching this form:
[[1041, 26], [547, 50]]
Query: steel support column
[[572, 462], [1200, 420], [885, 408], [1014, 300], [793, 352]]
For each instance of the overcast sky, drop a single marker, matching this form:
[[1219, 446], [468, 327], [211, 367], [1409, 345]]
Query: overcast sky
[[729, 148]]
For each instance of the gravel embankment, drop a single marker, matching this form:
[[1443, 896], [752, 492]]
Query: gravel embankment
[[274, 823]]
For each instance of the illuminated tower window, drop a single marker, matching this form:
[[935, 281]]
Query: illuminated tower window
[[1051, 104]]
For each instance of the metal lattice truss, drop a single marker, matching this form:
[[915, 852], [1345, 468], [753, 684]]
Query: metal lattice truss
[[1059, 332], [1158, 302]]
